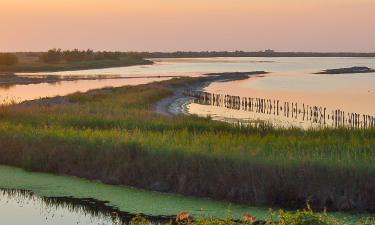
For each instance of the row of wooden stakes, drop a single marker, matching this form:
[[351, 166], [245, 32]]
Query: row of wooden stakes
[[293, 110]]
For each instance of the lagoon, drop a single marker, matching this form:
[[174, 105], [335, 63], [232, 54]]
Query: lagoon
[[290, 79]]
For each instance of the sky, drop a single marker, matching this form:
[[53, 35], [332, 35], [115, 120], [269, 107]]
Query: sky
[[196, 25]]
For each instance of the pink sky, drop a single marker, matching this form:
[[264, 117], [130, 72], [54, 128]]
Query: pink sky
[[169, 25]]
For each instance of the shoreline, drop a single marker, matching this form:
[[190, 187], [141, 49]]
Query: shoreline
[[154, 133], [9, 79], [106, 199], [173, 105], [125, 200], [50, 68]]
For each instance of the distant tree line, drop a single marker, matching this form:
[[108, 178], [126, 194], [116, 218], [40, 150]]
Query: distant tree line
[[266, 53], [58, 56], [8, 59]]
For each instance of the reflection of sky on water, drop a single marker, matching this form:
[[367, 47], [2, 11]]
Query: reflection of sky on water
[[222, 64], [20, 93], [291, 79], [294, 82], [359, 83], [19, 209]]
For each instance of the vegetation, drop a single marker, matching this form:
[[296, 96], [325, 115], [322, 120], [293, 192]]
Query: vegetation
[[356, 69], [114, 136], [52, 56], [94, 198], [266, 53], [57, 55], [303, 217], [8, 59], [118, 198], [58, 60]]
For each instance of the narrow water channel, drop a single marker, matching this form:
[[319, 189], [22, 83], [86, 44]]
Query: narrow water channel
[[57, 191], [37, 210], [62, 200], [20, 93]]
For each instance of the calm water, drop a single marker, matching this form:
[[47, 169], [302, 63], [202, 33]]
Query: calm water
[[55, 209], [290, 80], [19, 93], [18, 207], [36, 210]]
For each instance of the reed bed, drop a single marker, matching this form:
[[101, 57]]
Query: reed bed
[[114, 136], [301, 217]]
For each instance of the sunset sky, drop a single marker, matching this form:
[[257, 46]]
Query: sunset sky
[[169, 25]]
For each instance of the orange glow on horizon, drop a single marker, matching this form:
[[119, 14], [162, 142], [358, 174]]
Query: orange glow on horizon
[[167, 25]]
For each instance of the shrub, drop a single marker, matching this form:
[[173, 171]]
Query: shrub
[[108, 55], [8, 59], [52, 56], [77, 55]]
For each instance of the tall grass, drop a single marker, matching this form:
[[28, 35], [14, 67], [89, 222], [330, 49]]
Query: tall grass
[[113, 135], [301, 217], [38, 66]]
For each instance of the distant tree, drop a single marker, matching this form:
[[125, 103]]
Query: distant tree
[[8, 59], [134, 55], [52, 56], [108, 55], [78, 55], [89, 54]]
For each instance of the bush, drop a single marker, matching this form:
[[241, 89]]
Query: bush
[[77, 55], [304, 217], [8, 59], [108, 55], [57, 55], [52, 56]]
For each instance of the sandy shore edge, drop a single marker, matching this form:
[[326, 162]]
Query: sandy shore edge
[[178, 102]]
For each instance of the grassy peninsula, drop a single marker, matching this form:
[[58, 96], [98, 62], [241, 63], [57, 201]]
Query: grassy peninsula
[[113, 135], [58, 60]]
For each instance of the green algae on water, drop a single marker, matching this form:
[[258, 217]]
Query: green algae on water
[[124, 198], [129, 199]]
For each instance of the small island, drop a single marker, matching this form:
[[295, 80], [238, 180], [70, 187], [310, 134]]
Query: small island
[[355, 69], [56, 60]]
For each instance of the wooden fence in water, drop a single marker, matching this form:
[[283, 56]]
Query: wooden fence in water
[[293, 110]]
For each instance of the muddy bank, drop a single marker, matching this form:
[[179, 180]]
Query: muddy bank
[[174, 104], [356, 69]]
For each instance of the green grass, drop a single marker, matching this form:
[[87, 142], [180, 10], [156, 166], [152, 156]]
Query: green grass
[[301, 217], [114, 136], [37, 66]]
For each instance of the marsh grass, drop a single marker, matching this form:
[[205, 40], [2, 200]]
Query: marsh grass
[[38, 66], [300, 217], [113, 135]]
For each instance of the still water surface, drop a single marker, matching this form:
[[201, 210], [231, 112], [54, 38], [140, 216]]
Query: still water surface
[[290, 80], [21, 207], [20, 93], [49, 204]]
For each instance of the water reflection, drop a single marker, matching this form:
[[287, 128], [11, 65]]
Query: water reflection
[[293, 113], [19, 93], [290, 80], [37, 210], [7, 81], [193, 66]]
